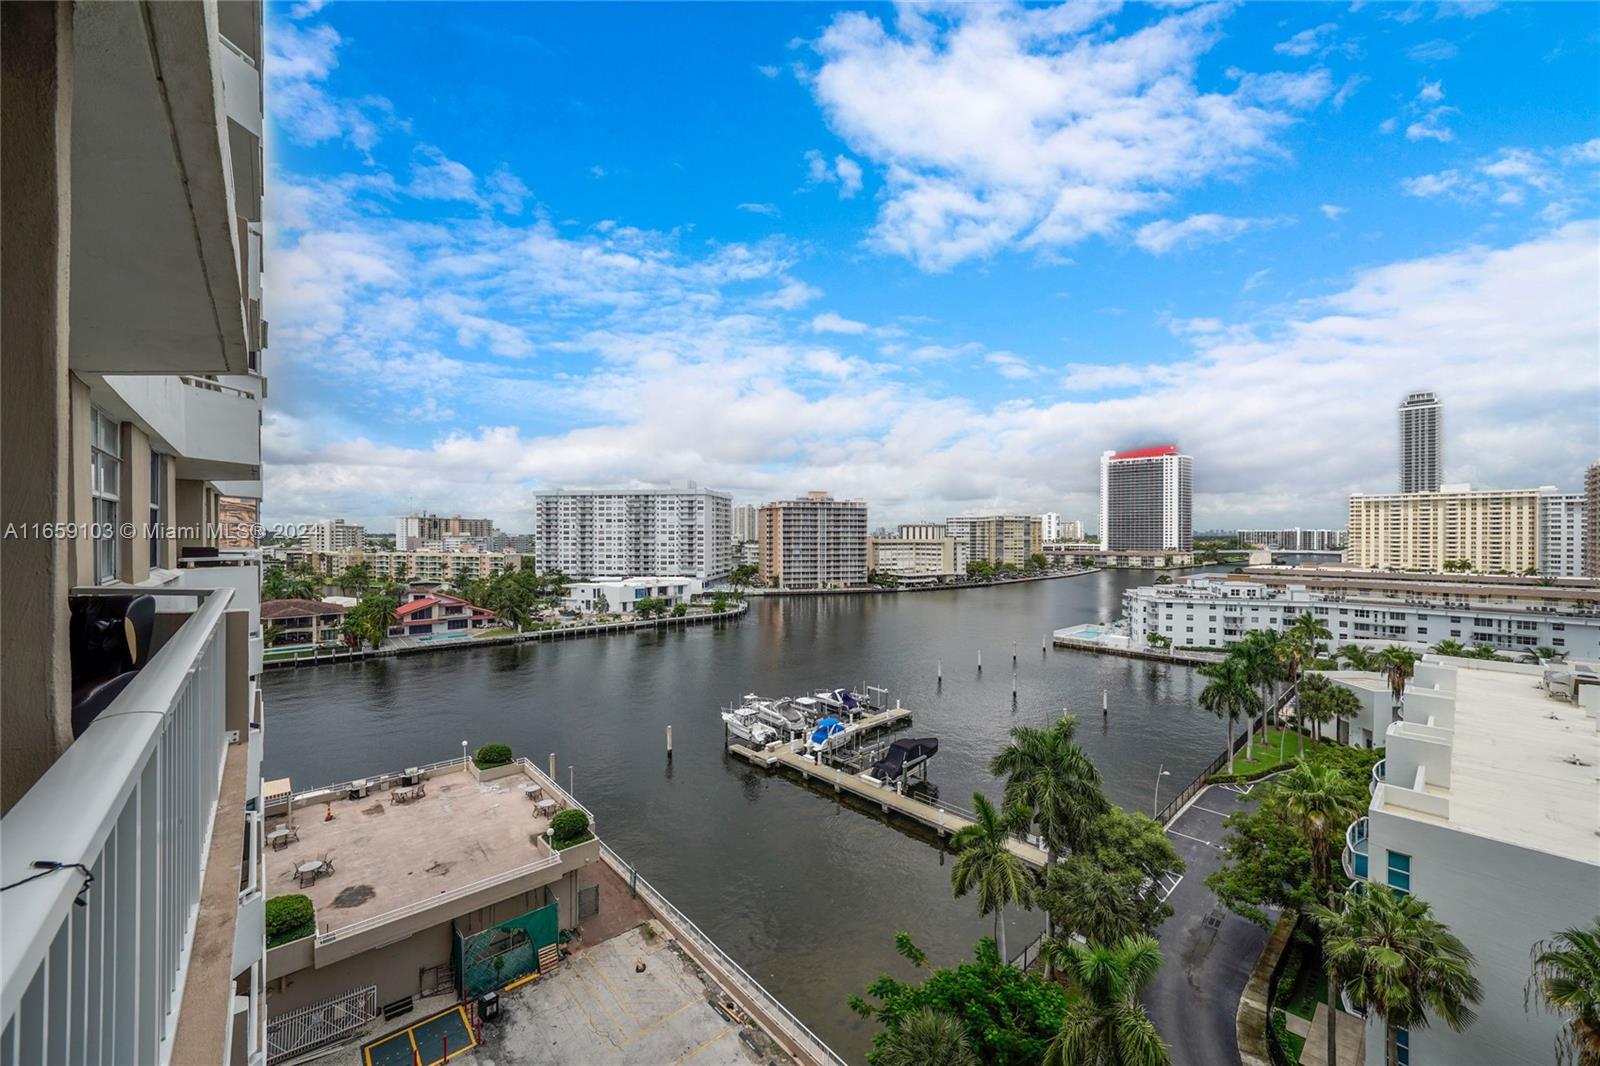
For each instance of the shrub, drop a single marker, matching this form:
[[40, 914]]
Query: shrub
[[569, 827], [289, 918], [491, 755], [1289, 976]]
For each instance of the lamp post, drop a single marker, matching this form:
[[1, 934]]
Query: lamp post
[[463, 754], [1155, 801]]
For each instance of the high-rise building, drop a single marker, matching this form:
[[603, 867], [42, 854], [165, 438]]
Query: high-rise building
[[1487, 530], [1591, 520], [335, 534], [1050, 527], [1421, 455], [922, 531], [673, 532], [1295, 539], [420, 530], [746, 523], [1072, 531], [130, 780], [1011, 538], [814, 542], [1561, 527], [1147, 499]]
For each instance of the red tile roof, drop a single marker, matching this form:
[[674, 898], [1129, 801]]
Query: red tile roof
[[292, 608]]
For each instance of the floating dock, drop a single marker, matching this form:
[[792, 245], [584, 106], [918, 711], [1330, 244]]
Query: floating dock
[[940, 820]]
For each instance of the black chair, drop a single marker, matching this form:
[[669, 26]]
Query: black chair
[[110, 639]]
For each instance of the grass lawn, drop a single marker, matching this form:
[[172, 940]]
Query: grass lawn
[[1294, 1044], [1310, 989], [1268, 750], [501, 632]]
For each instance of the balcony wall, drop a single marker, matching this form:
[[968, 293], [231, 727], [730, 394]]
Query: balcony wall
[[213, 430]]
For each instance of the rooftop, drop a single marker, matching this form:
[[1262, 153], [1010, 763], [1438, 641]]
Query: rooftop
[[1512, 771], [293, 608], [388, 856]]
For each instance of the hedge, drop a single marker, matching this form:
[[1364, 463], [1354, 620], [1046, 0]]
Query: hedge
[[289, 918], [491, 755], [569, 827]]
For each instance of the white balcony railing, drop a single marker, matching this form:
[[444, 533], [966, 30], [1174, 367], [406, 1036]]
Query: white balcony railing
[[92, 965]]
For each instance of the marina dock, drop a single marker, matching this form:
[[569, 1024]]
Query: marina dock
[[941, 820]]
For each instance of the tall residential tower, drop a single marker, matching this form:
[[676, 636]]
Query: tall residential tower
[[1421, 458], [1147, 499], [677, 532]]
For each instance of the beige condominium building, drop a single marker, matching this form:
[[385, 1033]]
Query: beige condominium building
[[132, 340], [1591, 520], [419, 530], [928, 558], [405, 566], [1491, 530], [998, 538], [813, 542]]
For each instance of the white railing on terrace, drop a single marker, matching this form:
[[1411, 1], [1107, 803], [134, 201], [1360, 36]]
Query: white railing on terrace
[[215, 386], [796, 1031], [377, 920], [388, 777], [132, 800]]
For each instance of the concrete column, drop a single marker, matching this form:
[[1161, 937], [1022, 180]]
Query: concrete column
[[189, 512], [169, 545], [36, 201], [133, 553], [80, 509]]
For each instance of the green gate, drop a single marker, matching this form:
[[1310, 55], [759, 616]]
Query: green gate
[[502, 953]]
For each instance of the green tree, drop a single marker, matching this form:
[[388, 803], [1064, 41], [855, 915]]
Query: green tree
[[1038, 561], [1320, 701], [1398, 962], [1398, 665], [926, 1038], [354, 578], [279, 583], [1110, 887], [1300, 646], [649, 607], [1050, 776], [370, 619], [1229, 695], [1106, 1025], [402, 570], [1258, 652], [980, 569], [743, 575], [1450, 647], [1010, 1014], [1566, 980], [1321, 802], [985, 863], [1356, 657]]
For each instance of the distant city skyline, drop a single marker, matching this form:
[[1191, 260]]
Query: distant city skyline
[[826, 280]]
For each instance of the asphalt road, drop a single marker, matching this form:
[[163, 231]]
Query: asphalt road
[[1208, 951]]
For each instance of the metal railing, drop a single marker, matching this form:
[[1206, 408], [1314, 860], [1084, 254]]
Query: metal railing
[[797, 1032], [318, 1024], [1355, 849], [1189, 791], [93, 952], [1379, 769]]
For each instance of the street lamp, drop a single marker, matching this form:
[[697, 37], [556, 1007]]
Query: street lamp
[[463, 753], [1155, 801]]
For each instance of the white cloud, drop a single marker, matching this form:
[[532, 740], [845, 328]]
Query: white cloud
[[1165, 235], [767, 70], [770, 210], [1308, 41], [1332, 212], [1001, 126], [828, 322], [843, 172], [1432, 115], [1434, 51], [1011, 366], [299, 61], [1561, 179]]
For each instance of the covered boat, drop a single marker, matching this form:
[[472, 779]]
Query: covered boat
[[904, 756], [829, 733]]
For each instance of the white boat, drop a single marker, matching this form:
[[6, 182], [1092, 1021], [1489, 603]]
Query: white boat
[[809, 708], [782, 715], [745, 723]]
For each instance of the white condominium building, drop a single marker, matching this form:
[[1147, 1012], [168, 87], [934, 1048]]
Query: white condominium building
[[923, 531], [814, 542], [420, 530], [1561, 526], [906, 557], [1147, 499], [1496, 530], [672, 532], [1296, 539], [1213, 612], [1421, 454], [1591, 520], [1486, 806], [133, 715], [1050, 527], [335, 534], [746, 523], [1072, 531]]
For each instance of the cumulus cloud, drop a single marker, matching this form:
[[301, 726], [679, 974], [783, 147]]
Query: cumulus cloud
[[841, 171], [1561, 180], [1332, 212], [828, 322], [1035, 128], [1166, 235], [1430, 115], [299, 60], [770, 210]]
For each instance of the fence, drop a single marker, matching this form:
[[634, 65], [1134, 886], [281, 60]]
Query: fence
[[1189, 791], [124, 816], [319, 1024], [797, 1033]]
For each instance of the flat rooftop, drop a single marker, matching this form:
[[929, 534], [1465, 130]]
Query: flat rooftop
[[391, 855], [1512, 771]]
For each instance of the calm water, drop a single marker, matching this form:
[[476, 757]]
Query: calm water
[[806, 893]]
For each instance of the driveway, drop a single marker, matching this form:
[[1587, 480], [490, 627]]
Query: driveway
[[1208, 951]]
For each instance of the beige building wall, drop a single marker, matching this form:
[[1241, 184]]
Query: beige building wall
[[1496, 530], [1006, 538], [907, 556]]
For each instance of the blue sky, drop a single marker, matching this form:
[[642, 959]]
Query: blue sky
[[935, 257]]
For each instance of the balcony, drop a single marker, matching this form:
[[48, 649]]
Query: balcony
[[102, 956], [1355, 850], [1378, 770]]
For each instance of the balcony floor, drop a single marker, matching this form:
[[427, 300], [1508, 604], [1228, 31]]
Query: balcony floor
[[389, 855]]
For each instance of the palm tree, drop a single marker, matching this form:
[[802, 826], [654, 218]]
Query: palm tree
[[986, 864], [1566, 980], [1090, 902], [1321, 801], [1229, 696], [1398, 664], [1356, 657], [1258, 651], [1450, 647], [1298, 647], [1106, 1025], [1397, 961], [926, 1038], [1049, 774]]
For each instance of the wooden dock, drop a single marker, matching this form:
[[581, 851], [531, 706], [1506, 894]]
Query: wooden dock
[[940, 820]]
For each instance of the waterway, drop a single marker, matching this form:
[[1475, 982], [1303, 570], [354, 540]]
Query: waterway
[[807, 894]]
